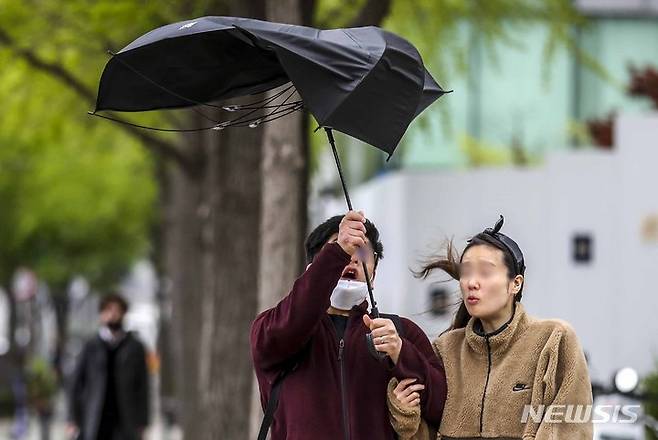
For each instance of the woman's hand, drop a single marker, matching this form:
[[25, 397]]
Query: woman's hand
[[385, 336], [408, 394]]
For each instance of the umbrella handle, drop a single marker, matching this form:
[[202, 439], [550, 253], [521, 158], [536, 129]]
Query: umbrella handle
[[370, 342], [374, 312]]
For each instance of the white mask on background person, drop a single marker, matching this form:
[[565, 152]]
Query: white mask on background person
[[348, 293]]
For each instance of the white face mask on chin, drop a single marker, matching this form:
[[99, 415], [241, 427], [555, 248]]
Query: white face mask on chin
[[348, 293]]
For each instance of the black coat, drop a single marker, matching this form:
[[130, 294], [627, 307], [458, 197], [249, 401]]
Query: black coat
[[88, 387]]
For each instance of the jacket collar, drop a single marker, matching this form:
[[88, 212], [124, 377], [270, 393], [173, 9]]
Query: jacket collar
[[499, 340], [360, 310], [357, 311], [105, 337]]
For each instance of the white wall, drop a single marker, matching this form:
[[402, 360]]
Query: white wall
[[612, 302]]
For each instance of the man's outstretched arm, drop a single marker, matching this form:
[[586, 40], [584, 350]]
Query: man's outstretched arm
[[282, 331]]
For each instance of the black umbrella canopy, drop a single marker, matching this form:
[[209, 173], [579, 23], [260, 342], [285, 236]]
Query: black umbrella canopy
[[365, 82]]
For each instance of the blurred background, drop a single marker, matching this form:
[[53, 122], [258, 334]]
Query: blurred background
[[552, 122]]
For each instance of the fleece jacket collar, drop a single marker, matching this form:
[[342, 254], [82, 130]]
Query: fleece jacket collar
[[499, 340]]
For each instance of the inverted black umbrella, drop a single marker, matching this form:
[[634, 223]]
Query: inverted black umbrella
[[365, 82]]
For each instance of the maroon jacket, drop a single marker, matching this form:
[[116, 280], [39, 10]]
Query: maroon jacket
[[310, 402]]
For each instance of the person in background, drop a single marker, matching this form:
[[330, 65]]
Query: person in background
[[109, 396]]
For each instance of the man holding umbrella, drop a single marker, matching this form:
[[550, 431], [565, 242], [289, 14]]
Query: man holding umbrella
[[315, 339]]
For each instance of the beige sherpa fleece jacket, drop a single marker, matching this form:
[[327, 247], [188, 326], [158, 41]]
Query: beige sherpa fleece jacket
[[491, 378]]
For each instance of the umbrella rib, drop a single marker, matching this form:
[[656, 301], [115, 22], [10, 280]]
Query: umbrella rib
[[268, 118], [146, 127], [266, 100], [255, 109], [237, 122], [289, 104], [292, 110], [240, 120]]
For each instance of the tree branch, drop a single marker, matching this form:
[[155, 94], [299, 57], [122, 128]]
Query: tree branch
[[153, 143], [372, 13]]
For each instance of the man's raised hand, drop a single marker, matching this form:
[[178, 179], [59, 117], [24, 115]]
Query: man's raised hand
[[352, 232]]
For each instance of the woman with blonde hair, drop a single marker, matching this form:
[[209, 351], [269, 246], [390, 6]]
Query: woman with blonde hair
[[510, 375]]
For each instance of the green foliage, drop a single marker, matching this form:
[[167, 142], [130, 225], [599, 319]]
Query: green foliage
[[479, 153], [442, 29], [41, 380], [74, 206], [76, 193], [433, 26]]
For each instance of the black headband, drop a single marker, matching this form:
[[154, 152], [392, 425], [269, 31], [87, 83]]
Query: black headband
[[507, 243]]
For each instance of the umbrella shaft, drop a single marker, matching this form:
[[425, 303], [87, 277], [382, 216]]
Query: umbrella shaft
[[330, 135]]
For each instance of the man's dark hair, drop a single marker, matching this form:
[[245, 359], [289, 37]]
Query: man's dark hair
[[319, 236], [113, 298]]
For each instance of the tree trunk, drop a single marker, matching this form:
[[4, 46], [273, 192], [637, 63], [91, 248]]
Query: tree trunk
[[212, 261], [211, 248], [182, 261], [283, 198], [284, 171], [225, 371]]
